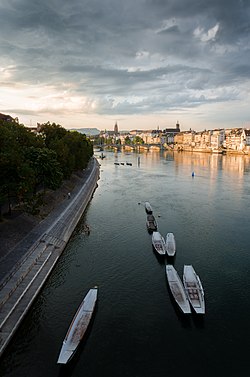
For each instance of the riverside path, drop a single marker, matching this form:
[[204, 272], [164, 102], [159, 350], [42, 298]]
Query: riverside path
[[27, 267]]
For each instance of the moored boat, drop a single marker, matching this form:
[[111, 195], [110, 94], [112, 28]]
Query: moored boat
[[177, 289], [148, 208], [170, 244], [78, 326], [194, 289], [151, 223], [158, 243]]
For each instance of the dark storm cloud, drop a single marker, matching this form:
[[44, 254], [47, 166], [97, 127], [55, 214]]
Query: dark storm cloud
[[159, 51]]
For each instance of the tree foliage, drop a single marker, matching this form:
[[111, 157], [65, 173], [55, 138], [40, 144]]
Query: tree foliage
[[73, 149], [127, 140], [30, 162], [138, 140]]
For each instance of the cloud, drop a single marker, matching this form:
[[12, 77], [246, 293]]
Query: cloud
[[83, 58], [206, 36]]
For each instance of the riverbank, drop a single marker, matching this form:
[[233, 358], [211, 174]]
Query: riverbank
[[18, 225], [25, 268], [224, 151]]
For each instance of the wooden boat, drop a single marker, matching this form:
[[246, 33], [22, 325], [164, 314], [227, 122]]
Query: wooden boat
[[177, 289], [194, 289], [158, 243], [148, 208], [78, 326], [170, 244], [151, 223]]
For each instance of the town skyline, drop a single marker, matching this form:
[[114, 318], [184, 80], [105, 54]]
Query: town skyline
[[144, 64]]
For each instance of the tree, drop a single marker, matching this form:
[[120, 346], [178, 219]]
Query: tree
[[29, 162], [14, 139], [52, 133], [138, 140], [127, 141], [73, 149], [45, 166]]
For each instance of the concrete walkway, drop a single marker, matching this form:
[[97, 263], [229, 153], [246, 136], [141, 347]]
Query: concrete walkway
[[35, 256]]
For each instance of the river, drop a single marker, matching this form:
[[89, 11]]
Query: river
[[137, 330]]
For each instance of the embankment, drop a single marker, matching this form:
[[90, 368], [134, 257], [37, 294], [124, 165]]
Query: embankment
[[43, 247]]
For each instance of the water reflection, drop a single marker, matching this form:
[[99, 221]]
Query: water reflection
[[199, 161]]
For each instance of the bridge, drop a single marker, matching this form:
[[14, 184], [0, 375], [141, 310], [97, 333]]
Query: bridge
[[134, 147]]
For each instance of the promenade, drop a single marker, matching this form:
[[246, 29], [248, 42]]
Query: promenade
[[25, 269]]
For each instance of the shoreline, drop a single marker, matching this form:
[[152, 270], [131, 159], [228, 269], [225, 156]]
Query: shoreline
[[224, 152], [180, 148], [27, 266], [15, 227]]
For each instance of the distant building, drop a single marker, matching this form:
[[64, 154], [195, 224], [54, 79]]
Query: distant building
[[234, 139], [217, 138], [7, 118], [247, 136], [36, 129], [246, 139], [169, 133], [136, 132], [116, 129], [201, 139], [174, 131], [185, 139]]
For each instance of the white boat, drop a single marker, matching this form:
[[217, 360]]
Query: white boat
[[151, 223], [158, 243], [78, 326], [170, 244], [177, 289], [194, 289], [148, 208]]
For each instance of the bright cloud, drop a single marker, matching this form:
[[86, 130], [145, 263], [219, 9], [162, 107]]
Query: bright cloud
[[208, 35]]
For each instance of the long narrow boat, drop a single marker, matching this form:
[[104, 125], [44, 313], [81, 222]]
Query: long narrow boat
[[170, 244], [177, 289], [158, 243], [194, 289], [78, 326], [148, 208], [151, 223]]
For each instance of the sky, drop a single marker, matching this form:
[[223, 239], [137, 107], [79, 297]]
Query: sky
[[144, 64]]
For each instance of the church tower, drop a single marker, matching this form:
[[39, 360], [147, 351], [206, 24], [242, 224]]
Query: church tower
[[116, 128]]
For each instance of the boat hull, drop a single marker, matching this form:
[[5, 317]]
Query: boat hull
[[170, 244], [194, 289], [158, 243], [177, 289], [151, 223], [148, 208], [78, 327]]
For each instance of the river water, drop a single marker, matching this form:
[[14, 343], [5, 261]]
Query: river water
[[137, 330]]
